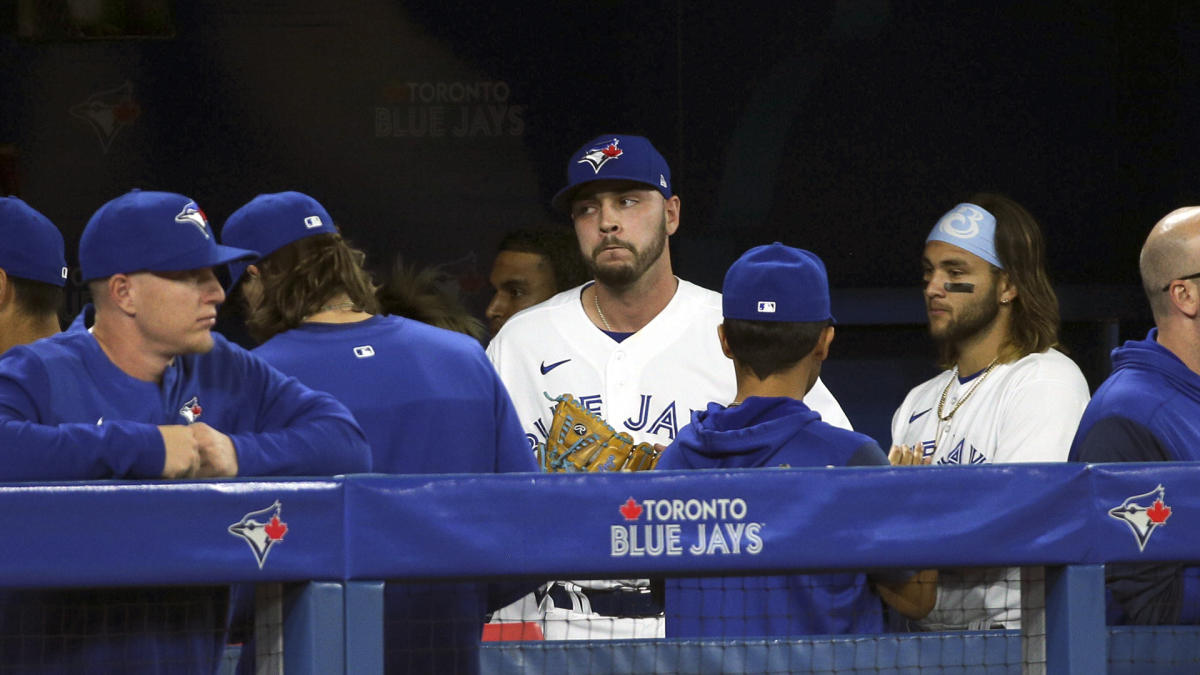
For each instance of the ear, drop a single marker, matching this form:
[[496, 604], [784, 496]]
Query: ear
[[122, 293], [724, 342], [1184, 297], [671, 208], [1006, 290], [821, 351], [252, 270]]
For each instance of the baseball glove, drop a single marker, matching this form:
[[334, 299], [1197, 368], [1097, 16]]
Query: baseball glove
[[581, 441]]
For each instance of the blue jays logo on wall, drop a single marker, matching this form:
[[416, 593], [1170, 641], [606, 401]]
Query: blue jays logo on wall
[[1143, 514], [108, 112], [261, 530], [192, 214], [598, 157]]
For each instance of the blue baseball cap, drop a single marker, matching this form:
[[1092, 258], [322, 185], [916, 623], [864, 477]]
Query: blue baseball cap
[[615, 157], [31, 247], [269, 222], [144, 231], [776, 283]]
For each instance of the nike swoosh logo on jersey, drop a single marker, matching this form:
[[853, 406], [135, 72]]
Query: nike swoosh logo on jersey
[[552, 366], [914, 417]]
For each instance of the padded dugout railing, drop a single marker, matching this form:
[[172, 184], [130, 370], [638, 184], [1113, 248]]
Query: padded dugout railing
[[343, 534]]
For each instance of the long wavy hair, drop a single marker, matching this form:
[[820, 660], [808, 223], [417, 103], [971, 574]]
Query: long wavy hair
[[300, 278], [1020, 247]]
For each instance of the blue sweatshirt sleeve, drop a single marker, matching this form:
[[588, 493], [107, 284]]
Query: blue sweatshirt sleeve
[[36, 450], [298, 431]]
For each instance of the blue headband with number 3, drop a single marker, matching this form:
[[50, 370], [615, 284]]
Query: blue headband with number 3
[[970, 228]]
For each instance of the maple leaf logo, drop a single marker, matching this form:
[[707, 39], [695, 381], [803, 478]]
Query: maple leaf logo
[[1159, 512], [261, 529], [276, 528], [631, 509], [1143, 514], [612, 150]]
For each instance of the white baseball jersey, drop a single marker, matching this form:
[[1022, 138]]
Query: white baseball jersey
[[1024, 411], [647, 385]]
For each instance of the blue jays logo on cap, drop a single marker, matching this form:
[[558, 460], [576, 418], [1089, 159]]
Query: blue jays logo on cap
[[150, 231], [615, 157], [192, 214], [598, 157]]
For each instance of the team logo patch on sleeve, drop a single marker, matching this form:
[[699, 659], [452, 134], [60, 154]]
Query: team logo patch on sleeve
[[598, 157], [1143, 514], [261, 530]]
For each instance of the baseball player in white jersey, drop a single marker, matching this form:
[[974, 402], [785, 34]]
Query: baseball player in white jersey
[[638, 346], [1007, 395]]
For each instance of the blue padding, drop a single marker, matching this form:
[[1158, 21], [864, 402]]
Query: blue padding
[[974, 652], [96, 534], [545, 524], [609, 525]]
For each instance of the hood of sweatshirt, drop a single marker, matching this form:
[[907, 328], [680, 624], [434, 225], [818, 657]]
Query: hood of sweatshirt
[[741, 436], [1148, 354]]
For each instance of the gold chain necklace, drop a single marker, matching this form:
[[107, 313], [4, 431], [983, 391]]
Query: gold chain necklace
[[943, 418], [945, 392], [596, 301]]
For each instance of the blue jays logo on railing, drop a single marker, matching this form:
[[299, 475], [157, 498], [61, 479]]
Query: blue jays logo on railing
[[1143, 514], [598, 157], [261, 530], [192, 214]]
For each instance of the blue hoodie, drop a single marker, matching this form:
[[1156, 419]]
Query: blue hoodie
[[769, 432], [1148, 410]]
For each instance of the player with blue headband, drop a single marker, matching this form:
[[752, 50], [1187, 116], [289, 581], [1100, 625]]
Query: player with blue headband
[[1006, 395]]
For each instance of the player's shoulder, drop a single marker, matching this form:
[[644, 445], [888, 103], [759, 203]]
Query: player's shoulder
[[431, 340], [1049, 368], [1131, 392], [69, 346], [693, 294]]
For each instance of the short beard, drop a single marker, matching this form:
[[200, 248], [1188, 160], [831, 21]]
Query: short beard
[[972, 320], [623, 275]]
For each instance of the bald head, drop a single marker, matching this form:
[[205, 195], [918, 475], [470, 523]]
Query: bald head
[[1171, 251]]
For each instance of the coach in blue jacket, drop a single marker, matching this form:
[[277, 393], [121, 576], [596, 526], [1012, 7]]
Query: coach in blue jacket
[[1148, 410], [148, 391]]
